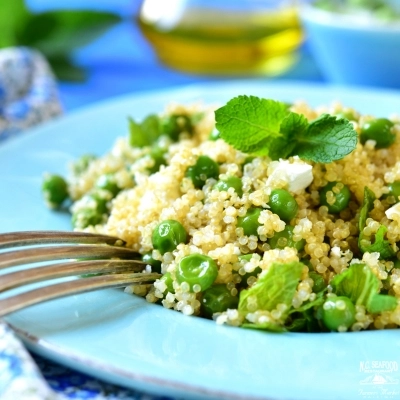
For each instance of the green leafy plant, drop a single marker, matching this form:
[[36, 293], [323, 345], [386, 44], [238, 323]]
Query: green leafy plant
[[265, 127], [54, 33]]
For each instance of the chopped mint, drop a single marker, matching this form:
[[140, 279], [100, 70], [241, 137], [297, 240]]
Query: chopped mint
[[266, 326], [318, 301], [382, 302], [144, 133], [303, 318], [380, 245], [361, 286], [265, 127], [306, 321], [277, 286], [297, 325]]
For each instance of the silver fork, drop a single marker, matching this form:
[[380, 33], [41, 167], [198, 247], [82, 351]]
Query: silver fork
[[114, 265]]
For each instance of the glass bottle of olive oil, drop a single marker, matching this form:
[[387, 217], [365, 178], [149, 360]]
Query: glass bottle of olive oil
[[223, 37]]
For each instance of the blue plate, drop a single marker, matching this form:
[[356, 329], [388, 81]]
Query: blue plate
[[123, 339]]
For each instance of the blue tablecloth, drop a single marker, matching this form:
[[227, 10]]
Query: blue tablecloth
[[119, 62]]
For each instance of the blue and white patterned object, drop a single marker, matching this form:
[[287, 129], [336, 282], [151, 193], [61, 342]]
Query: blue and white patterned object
[[28, 90], [19, 376], [25, 378]]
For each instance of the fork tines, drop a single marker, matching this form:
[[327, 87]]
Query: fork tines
[[102, 255]]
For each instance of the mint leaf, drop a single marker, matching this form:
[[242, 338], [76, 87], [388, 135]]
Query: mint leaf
[[318, 301], [249, 123], [367, 206], [278, 286], [266, 128], [358, 283], [151, 128], [361, 286], [266, 326], [382, 302], [297, 325], [144, 133], [380, 245], [326, 139], [304, 318], [292, 125]]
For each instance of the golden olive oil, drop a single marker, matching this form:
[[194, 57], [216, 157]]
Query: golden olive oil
[[217, 42]]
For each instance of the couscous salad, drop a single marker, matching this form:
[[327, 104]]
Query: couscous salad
[[258, 214]]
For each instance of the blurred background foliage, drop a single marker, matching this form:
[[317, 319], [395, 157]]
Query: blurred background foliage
[[55, 33]]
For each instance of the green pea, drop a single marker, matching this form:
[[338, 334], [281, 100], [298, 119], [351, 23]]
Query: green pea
[[379, 130], [283, 204], [338, 312], [249, 222], [100, 200], [91, 209], [214, 135], [394, 190], [55, 190], [167, 235], [230, 182], [174, 125], [82, 163], [204, 169], [167, 279], [285, 239], [158, 155], [86, 217], [197, 269], [108, 182], [341, 195], [217, 299], [319, 281], [155, 264]]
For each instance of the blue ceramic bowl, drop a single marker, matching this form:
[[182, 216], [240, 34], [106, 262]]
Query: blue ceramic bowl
[[351, 50]]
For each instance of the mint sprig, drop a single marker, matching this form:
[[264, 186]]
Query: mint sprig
[[265, 127]]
